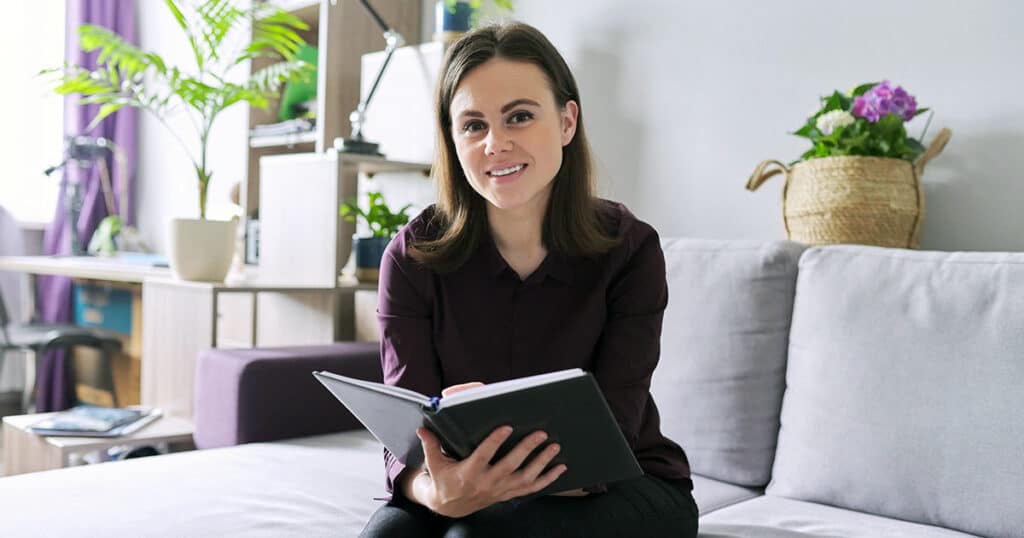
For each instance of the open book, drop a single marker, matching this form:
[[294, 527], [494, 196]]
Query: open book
[[567, 405]]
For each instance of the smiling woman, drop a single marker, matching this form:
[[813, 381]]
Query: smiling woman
[[518, 270], [32, 137]]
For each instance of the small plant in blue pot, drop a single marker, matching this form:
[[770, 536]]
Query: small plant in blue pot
[[383, 224], [452, 18]]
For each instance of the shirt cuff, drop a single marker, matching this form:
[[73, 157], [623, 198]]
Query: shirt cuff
[[393, 468]]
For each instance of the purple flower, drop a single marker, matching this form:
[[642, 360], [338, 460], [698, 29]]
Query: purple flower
[[885, 99]]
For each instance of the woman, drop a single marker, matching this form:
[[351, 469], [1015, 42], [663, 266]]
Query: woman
[[519, 270]]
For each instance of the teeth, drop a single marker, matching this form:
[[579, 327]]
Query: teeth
[[507, 171]]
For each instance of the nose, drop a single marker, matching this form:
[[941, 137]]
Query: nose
[[498, 140]]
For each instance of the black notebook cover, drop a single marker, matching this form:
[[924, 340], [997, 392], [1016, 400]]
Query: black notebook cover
[[572, 411]]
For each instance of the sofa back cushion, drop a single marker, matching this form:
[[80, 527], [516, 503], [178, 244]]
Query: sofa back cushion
[[720, 379], [905, 387]]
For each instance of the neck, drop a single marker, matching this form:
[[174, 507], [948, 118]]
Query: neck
[[519, 229]]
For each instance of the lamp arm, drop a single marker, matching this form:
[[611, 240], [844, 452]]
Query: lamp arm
[[376, 16], [394, 40]]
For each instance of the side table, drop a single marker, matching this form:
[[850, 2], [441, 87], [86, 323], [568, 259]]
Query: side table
[[26, 452]]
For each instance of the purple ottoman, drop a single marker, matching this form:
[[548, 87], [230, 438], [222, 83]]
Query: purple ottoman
[[252, 395]]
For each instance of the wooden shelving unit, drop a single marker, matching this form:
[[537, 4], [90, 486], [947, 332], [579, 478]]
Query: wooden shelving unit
[[342, 32]]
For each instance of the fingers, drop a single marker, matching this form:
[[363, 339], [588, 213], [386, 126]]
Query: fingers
[[540, 483], [432, 455], [515, 458], [459, 388], [540, 461], [486, 450]]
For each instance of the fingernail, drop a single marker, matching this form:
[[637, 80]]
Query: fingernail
[[565, 468], [555, 448], [507, 430]]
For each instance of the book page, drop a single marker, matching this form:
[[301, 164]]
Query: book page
[[504, 387], [400, 392]]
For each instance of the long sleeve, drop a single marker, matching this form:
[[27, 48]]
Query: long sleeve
[[629, 347], [405, 315]]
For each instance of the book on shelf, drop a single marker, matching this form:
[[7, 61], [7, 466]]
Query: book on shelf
[[568, 405], [287, 127], [95, 421]]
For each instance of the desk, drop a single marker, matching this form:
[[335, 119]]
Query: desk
[[85, 267], [182, 318], [26, 452]]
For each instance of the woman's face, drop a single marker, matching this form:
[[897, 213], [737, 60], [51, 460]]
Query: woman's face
[[509, 132]]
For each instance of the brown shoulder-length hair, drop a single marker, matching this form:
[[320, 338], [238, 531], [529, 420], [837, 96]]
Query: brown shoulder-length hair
[[573, 224]]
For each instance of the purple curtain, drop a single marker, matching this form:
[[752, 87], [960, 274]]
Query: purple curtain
[[56, 390]]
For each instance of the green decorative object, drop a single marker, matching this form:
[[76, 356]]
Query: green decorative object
[[103, 239], [221, 37], [299, 91], [382, 221]]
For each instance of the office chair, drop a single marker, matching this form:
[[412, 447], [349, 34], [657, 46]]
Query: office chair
[[37, 338]]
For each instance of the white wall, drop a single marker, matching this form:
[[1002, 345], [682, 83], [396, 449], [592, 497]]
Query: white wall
[[167, 187], [683, 98]]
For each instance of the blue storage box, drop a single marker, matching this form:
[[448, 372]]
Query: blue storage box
[[103, 307]]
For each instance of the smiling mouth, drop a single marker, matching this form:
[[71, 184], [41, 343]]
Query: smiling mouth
[[506, 171]]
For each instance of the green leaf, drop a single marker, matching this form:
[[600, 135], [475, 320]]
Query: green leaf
[[863, 88], [105, 111], [834, 102], [197, 52]]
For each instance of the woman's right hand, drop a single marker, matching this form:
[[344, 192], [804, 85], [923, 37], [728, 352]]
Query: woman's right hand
[[458, 488]]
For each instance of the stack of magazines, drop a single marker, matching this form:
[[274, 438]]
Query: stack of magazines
[[95, 421]]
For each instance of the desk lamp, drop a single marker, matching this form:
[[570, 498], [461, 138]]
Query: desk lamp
[[357, 144]]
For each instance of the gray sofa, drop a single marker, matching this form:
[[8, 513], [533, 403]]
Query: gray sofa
[[839, 391]]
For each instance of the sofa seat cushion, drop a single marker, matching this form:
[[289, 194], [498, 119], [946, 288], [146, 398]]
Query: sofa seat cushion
[[313, 486], [719, 383], [778, 517], [904, 387], [712, 494]]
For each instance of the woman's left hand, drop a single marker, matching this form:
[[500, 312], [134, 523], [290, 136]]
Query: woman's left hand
[[461, 387]]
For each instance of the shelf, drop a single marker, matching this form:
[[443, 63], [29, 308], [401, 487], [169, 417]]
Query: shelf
[[371, 165], [287, 140]]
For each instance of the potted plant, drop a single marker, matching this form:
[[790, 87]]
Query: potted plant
[[382, 223], [216, 31], [452, 18], [860, 182]]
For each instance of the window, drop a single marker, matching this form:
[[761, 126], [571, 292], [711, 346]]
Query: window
[[31, 137]]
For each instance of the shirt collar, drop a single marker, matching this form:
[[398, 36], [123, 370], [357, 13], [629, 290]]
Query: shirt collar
[[556, 265]]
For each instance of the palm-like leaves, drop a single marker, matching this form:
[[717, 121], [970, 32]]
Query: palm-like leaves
[[128, 76], [382, 221]]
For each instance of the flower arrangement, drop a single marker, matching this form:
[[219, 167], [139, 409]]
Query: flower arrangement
[[867, 121]]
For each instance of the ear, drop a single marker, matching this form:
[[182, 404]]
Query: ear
[[570, 114]]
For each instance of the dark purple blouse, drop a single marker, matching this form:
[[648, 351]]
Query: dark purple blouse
[[482, 323]]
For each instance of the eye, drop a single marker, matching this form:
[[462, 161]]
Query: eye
[[520, 117], [473, 126]]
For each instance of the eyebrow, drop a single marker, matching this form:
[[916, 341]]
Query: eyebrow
[[504, 109]]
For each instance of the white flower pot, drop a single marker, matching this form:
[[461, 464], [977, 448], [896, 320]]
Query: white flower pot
[[201, 249]]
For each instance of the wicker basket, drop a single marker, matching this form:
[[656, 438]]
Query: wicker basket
[[863, 200]]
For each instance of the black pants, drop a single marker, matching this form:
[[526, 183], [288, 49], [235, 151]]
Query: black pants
[[642, 507]]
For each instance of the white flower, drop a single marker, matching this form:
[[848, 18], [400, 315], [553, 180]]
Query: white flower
[[830, 121]]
